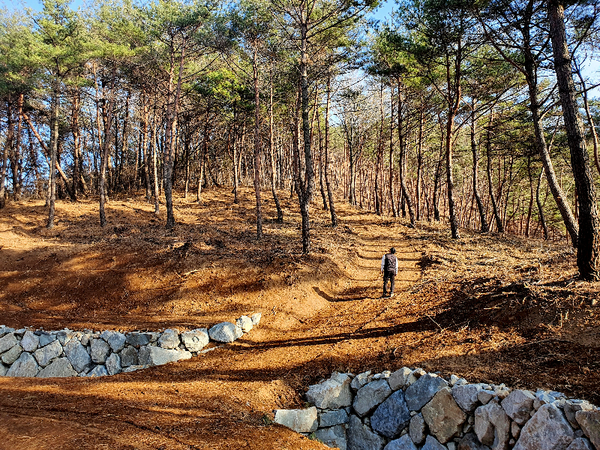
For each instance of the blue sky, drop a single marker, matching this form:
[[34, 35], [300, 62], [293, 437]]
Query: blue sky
[[381, 13]]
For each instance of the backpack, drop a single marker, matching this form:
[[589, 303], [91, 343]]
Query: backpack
[[389, 264]]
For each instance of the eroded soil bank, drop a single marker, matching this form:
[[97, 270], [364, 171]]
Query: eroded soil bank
[[488, 308]]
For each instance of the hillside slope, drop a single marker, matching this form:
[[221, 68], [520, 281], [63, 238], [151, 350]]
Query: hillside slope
[[487, 308]]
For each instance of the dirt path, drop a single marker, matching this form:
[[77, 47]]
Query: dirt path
[[319, 315]]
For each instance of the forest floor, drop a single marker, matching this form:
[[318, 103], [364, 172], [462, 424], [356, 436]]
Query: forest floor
[[489, 308]]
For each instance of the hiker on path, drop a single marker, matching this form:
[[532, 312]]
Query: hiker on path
[[389, 269]]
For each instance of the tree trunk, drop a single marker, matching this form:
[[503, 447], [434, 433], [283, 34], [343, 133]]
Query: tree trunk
[[540, 143], [257, 142], [16, 153], [332, 211], [588, 244], [272, 156], [538, 201], [55, 106], [391, 155], [402, 146], [305, 187], [7, 144], [107, 115], [474, 150]]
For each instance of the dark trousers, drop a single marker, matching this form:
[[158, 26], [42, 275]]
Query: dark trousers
[[391, 277]]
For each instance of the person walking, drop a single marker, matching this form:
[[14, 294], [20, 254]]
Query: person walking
[[389, 269]]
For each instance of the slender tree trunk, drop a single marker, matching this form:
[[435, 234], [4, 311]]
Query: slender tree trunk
[[154, 151], [170, 136], [538, 201], [588, 244], [531, 199], [332, 211], [305, 187], [76, 131], [420, 160], [272, 154], [107, 115], [6, 151], [496, 212], [475, 151], [16, 154], [391, 155], [53, 153], [540, 142], [257, 145], [401, 144], [145, 144], [379, 163]]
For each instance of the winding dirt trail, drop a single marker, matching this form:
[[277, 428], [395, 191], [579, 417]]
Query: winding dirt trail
[[319, 315]]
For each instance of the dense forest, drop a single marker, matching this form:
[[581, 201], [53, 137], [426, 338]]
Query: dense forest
[[479, 114]]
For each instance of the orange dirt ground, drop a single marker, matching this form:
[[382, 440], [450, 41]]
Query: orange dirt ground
[[488, 308]]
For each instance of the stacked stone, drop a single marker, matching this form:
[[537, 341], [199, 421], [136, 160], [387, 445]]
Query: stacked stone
[[67, 353], [412, 409]]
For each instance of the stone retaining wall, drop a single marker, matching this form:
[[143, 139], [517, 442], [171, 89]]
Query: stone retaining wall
[[66, 353], [411, 409]]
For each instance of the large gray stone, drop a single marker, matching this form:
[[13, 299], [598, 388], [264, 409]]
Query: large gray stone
[[59, 368], [64, 336], [245, 324], [45, 355], [3, 370], [333, 393], [466, 396], [78, 356], [115, 339], [46, 338], [571, 407], [157, 356], [98, 371], [137, 339], [422, 391], [129, 357], [195, 340], [589, 421], [443, 416], [5, 330], [518, 405], [360, 437], [546, 430], [417, 428], [580, 444], [432, 443], [370, 396], [332, 418], [12, 355], [299, 420], [492, 426], [225, 332], [360, 380], [25, 366], [30, 342], [392, 416], [404, 443], [169, 339], [7, 342], [113, 364], [470, 442], [401, 378], [333, 436], [99, 350]]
